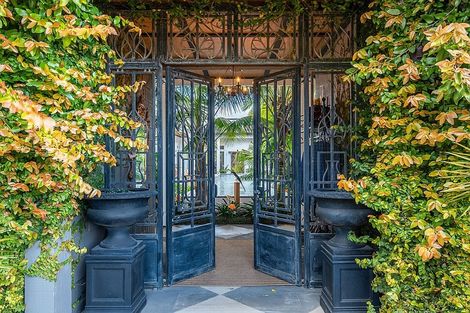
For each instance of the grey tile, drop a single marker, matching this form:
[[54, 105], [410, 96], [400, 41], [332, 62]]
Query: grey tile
[[219, 304], [231, 231], [278, 299], [172, 299], [220, 290]]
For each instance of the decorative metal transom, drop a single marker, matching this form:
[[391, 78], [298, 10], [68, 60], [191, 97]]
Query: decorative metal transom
[[238, 38]]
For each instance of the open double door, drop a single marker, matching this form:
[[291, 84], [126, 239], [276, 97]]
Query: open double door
[[190, 187]]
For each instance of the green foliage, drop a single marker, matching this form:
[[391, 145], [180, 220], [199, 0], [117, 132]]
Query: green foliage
[[266, 9], [415, 75], [229, 208], [54, 108]]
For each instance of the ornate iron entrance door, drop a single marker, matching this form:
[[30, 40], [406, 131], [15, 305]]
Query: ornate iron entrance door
[[277, 177], [190, 175]]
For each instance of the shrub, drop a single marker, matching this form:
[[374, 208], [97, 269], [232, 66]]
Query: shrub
[[415, 75], [55, 104]]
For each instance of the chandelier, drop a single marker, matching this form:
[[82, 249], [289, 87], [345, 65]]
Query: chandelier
[[235, 89]]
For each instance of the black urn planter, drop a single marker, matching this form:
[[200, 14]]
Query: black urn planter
[[339, 209], [346, 286], [115, 268], [117, 212]]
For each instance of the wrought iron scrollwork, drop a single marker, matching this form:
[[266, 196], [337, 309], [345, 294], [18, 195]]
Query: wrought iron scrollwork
[[329, 128], [271, 40], [276, 129], [331, 36], [191, 128], [230, 36], [132, 166], [198, 38], [130, 45]]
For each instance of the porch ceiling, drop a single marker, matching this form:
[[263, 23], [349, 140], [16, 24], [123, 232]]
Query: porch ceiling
[[245, 72]]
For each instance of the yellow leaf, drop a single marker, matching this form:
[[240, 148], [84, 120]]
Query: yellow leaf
[[17, 186]]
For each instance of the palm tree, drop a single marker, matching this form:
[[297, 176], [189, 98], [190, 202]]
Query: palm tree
[[191, 102]]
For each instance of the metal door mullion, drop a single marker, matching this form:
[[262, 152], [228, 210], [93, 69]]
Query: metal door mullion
[[275, 180], [192, 179], [282, 217], [256, 165], [276, 145], [191, 146], [296, 169], [211, 161], [159, 187], [187, 215], [283, 133], [195, 217], [171, 110], [332, 114]]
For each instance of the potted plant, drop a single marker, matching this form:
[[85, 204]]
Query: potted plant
[[118, 260], [230, 212], [117, 211], [339, 209], [346, 287]]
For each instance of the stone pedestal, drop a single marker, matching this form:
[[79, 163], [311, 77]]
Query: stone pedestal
[[115, 280], [316, 256], [346, 286]]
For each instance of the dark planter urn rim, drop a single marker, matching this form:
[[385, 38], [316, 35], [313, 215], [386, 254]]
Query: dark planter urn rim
[[118, 195], [117, 212], [340, 209], [332, 194]]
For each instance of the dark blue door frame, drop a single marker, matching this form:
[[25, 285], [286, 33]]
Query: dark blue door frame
[[190, 190], [277, 175], [146, 169], [326, 149]]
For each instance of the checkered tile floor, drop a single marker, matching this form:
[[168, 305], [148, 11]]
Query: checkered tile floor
[[194, 299]]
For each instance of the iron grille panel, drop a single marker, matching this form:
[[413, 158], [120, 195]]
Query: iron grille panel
[[275, 39], [192, 181], [331, 36], [196, 38], [236, 38], [330, 120], [134, 46], [276, 136]]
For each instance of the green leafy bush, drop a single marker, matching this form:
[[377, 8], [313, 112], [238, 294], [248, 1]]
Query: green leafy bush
[[415, 75], [54, 103]]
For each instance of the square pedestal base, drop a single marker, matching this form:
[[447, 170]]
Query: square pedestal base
[[115, 280], [346, 286]]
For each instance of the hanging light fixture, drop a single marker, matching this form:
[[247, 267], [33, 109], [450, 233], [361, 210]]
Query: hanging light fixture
[[236, 89]]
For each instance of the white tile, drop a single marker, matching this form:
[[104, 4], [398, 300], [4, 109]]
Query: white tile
[[219, 304], [318, 310], [229, 231], [220, 290]]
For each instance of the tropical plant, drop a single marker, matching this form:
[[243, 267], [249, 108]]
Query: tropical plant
[[229, 208], [55, 104], [245, 160], [415, 77]]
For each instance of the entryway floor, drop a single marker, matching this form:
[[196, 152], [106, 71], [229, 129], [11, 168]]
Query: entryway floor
[[218, 299], [208, 293], [233, 261]]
